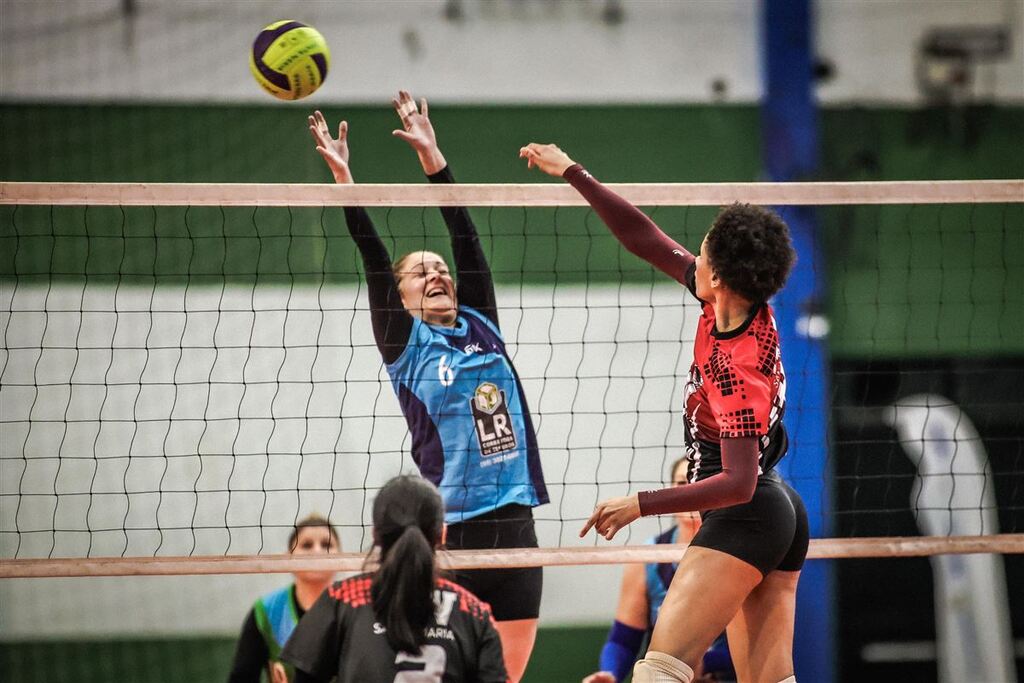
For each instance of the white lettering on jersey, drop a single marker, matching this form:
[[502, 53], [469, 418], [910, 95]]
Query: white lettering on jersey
[[378, 629], [482, 430], [444, 601], [473, 348], [501, 427], [444, 372], [432, 661], [438, 633]]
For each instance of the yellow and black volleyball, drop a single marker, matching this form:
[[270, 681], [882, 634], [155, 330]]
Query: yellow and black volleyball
[[289, 59]]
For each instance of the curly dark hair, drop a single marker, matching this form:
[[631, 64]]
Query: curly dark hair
[[749, 248]]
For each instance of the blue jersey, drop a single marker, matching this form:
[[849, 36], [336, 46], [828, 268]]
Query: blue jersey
[[276, 615], [472, 435]]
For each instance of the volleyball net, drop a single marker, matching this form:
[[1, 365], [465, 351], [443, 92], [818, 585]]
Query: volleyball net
[[187, 370]]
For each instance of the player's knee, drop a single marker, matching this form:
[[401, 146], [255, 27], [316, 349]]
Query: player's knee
[[658, 667]]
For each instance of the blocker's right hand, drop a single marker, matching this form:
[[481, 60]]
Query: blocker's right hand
[[334, 151], [600, 677]]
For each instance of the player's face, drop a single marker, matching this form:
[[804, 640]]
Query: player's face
[[315, 540], [427, 288], [703, 275], [689, 522]]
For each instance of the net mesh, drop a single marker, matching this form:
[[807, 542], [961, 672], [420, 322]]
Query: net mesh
[[190, 381]]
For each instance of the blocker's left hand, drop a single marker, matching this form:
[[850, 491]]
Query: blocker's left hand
[[418, 131], [612, 515]]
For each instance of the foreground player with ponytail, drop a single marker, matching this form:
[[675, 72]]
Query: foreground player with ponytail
[[400, 622], [741, 569]]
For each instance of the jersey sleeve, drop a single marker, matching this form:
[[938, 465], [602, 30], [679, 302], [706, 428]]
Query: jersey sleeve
[[390, 321], [251, 653], [739, 394], [475, 286], [315, 645], [631, 226], [491, 662]]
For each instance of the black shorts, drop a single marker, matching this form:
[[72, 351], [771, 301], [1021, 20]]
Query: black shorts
[[770, 532], [511, 593]]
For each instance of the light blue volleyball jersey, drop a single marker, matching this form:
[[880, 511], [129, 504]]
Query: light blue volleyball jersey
[[472, 435], [276, 616]]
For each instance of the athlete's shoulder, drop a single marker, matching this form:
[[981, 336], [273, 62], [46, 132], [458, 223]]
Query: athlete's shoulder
[[759, 346], [468, 602], [279, 594], [353, 591], [474, 314]]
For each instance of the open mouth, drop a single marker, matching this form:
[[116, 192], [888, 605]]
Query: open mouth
[[435, 292]]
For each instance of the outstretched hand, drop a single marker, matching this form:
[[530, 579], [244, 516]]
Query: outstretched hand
[[548, 158], [611, 515], [334, 151], [418, 131]]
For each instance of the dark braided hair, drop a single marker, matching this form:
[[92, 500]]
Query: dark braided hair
[[748, 247]]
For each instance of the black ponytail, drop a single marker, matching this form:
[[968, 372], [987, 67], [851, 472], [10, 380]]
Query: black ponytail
[[408, 516]]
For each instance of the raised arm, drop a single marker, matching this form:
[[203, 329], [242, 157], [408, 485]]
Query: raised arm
[[391, 322], [475, 283], [630, 225]]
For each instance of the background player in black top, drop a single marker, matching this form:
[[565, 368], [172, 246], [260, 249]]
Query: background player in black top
[[273, 616], [400, 622], [742, 568]]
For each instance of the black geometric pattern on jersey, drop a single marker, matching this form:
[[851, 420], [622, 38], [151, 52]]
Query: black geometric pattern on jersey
[[719, 369], [767, 347], [772, 447], [739, 423]]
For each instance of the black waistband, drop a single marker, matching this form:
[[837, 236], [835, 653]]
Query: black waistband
[[506, 513]]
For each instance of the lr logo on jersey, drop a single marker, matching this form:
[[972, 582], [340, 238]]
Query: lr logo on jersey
[[490, 415]]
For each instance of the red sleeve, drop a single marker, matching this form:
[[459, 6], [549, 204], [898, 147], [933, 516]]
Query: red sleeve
[[734, 485], [631, 226]]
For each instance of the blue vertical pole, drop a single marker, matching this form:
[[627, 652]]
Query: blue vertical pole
[[789, 129]]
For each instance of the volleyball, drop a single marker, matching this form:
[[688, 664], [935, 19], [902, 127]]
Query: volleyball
[[289, 59]]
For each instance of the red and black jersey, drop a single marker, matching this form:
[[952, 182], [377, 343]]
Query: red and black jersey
[[340, 636], [737, 388]]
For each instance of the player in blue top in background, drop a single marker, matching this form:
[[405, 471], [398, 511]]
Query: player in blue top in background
[[273, 616], [644, 587], [472, 435]]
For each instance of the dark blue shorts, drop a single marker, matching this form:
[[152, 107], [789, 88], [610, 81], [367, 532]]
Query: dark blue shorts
[[770, 532], [512, 593]]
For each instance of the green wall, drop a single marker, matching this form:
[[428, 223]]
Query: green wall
[[902, 280], [560, 655]]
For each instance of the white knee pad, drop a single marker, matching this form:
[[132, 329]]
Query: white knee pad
[[789, 679], [658, 667]]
